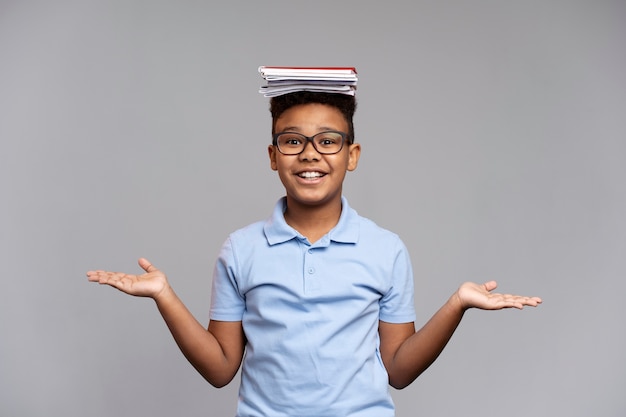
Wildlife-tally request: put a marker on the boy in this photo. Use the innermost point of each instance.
(319, 298)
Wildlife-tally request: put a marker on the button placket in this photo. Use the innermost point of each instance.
(311, 282)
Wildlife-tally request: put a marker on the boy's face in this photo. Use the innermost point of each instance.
(311, 178)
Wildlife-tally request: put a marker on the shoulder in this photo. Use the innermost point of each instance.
(353, 225)
(246, 238)
(369, 230)
(370, 226)
(372, 242)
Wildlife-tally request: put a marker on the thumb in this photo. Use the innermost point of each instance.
(146, 265)
(490, 285)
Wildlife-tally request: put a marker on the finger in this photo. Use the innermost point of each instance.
(98, 276)
(109, 278)
(533, 301)
(91, 274)
(490, 285)
(512, 304)
(146, 265)
(521, 301)
(121, 281)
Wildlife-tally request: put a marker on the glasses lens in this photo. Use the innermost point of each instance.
(328, 142)
(291, 143)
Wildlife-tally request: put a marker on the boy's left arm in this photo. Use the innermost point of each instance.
(407, 353)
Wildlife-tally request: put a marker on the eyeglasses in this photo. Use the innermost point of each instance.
(293, 143)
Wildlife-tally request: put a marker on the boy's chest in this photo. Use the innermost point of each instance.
(299, 273)
(312, 293)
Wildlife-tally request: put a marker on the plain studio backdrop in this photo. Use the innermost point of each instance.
(494, 144)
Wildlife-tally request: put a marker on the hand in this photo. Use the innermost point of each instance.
(481, 296)
(151, 284)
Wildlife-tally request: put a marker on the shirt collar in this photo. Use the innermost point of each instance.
(278, 231)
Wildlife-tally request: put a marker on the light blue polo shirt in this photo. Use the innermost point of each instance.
(310, 313)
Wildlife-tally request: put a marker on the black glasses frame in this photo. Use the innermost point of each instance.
(309, 139)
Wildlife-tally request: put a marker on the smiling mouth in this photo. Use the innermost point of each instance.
(310, 175)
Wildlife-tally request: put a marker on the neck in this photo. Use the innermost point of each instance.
(313, 222)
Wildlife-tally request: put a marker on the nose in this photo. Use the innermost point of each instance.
(309, 153)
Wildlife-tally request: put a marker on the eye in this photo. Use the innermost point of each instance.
(328, 139)
(289, 139)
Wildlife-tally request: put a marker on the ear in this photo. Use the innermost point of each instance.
(354, 153)
(271, 151)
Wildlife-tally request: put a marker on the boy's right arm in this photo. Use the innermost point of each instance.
(216, 352)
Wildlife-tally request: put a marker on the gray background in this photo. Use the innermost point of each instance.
(494, 139)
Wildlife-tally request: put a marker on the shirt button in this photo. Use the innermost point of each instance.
(310, 251)
(311, 270)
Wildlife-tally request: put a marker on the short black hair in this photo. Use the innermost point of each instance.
(345, 103)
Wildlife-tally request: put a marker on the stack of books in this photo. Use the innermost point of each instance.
(285, 80)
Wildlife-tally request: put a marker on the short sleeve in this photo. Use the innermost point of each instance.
(227, 304)
(397, 305)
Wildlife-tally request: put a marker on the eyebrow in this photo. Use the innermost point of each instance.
(297, 129)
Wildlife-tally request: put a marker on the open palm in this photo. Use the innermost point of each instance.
(150, 284)
(481, 296)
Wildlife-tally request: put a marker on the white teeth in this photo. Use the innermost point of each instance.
(310, 174)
